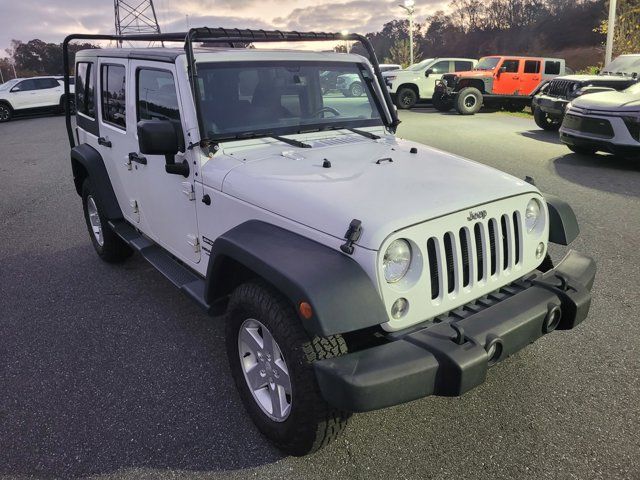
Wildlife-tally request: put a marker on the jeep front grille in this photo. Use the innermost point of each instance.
(560, 88)
(473, 254)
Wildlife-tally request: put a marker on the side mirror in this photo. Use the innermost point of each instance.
(159, 137)
(16, 89)
(428, 72)
(502, 70)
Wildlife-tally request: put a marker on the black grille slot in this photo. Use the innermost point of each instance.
(448, 251)
(492, 247)
(464, 251)
(516, 236)
(560, 88)
(504, 223)
(477, 231)
(433, 268)
(594, 126)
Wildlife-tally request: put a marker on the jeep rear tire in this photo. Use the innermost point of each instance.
(109, 246)
(406, 98)
(442, 102)
(5, 112)
(271, 358)
(545, 121)
(469, 101)
(582, 150)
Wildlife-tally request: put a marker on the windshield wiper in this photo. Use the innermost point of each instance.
(288, 141)
(364, 133)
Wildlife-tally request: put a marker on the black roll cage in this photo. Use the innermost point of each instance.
(230, 37)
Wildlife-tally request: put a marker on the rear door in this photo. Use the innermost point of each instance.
(507, 77)
(531, 76)
(49, 92)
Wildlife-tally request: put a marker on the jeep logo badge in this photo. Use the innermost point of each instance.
(477, 215)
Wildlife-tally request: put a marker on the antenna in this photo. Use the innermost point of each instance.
(134, 17)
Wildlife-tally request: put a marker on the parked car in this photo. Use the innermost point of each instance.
(350, 84)
(550, 104)
(354, 270)
(31, 95)
(497, 82)
(418, 81)
(604, 122)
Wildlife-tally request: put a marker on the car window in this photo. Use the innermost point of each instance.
(45, 83)
(113, 95)
(85, 80)
(26, 85)
(463, 66)
(531, 66)
(440, 67)
(551, 67)
(511, 66)
(157, 97)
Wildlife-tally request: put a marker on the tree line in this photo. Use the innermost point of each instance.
(475, 28)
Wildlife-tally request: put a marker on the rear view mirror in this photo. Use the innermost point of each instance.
(160, 137)
(428, 72)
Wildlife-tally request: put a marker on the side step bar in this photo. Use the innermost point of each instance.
(182, 277)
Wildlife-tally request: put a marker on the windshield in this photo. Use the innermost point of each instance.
(8, 84)
(487, 63)
(420, 65)
(624, 65)
(250, 99)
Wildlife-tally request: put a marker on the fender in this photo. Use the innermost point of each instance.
(87, 162)
(342, 296)
(563, 224)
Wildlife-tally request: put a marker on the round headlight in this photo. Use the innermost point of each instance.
(532, 214)
(396, 260)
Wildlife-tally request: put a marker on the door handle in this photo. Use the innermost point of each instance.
(134, 157)
(515, 77)
(104, 142)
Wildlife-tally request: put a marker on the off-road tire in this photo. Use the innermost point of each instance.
(545, 121)
(113, 249)
(312, 423)
(582, 150)
(442, 102)
(6, 112)
(356, 90)
(406, 98)
(468, 101)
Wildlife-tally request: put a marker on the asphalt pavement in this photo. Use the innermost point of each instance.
(109, 372)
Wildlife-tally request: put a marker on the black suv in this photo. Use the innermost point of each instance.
(550, 104)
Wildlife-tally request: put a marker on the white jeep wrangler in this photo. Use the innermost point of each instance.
(355, 270)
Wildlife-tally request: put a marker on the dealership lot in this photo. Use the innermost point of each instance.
(108, 371)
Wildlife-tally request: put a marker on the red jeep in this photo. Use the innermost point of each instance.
(496, 82)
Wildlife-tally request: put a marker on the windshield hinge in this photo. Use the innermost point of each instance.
(352, 236)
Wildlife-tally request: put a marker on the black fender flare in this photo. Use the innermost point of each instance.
(86, 161)
(342, 296)
(563, 224)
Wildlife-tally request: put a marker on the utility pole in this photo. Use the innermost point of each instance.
(1, 76)
(611, 26)
(135, 18)
(410, 7)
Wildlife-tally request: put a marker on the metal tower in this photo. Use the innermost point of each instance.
(134, 17)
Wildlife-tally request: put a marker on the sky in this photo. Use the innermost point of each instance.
(52, 20)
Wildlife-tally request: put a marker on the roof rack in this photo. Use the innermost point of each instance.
(229, 36)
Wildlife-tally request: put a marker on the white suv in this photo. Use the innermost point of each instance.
(605, 121)
(355, 270)
(31, 95)
(418, 82)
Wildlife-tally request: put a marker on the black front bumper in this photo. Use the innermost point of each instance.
(600, 145)
(449, 358)
(552, 106)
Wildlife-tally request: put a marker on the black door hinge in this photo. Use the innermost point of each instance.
(352, 236)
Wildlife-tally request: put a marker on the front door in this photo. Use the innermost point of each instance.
(507, 78)
(24, 94)
(428, 84)
(166, 202)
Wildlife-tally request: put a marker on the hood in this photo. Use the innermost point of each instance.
(474, 74)
(609, 101)
(363, 183)
(594, 78)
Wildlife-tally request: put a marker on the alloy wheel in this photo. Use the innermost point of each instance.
(94, 220)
